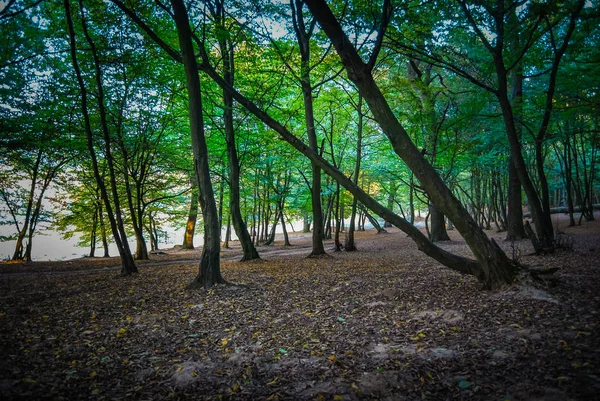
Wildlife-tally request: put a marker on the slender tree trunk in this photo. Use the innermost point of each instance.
(190, 226)
(94, 233)
(103, 230)
(239, 225)
(391, 202)
(337, 243)
(210, 267)
(127, 264)
(18, 253)
(228, 233)
(303, 38)
(349, 244)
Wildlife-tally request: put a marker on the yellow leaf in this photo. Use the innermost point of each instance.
(73, 363)
(332, 358)
(129, 318)
(28, 380)
(421, 335)
(93, 374)
(123, 330)
(235, 387)
(224, 342)
(338, 398)
(95, 391)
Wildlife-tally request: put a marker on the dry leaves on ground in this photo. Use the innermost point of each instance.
(382, 323)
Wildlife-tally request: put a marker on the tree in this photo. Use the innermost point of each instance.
(210, 269)
(501, 38)
(226, 47)
(116, 221)
(495, 266)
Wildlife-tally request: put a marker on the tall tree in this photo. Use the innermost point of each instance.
(226, 48)
(303, 36)
(495, 265)
(210, 267)
(116, 221)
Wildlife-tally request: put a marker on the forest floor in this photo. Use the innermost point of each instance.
(385, 322)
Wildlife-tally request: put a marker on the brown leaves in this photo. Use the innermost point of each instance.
(360, 325)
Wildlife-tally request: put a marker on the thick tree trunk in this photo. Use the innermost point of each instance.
(438, 225)
(141, 249)
(210, 267)
(514, 216)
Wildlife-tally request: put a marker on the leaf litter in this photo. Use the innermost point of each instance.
(382, 323)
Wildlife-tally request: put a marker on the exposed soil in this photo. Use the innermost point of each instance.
(385, 322)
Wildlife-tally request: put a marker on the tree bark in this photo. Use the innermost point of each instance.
(210, 267)
(190, 225)
(438, 225)
(303, 38)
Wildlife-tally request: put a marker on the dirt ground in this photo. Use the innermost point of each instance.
(385, 322)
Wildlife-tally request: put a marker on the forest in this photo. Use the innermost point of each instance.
(440, 155)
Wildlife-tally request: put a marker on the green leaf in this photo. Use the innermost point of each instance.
(464, 384)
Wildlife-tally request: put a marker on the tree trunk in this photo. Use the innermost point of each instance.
(304, 44)
(210, 268)
(306, 222)
(103, 231)
(127, 264)
(438, 225)
(239, 225)
(228, 233)
(373, 221)
(286, 237)
(349, 244)
(190, 226)
(18, 253)
(391, 202)
(336, 241)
